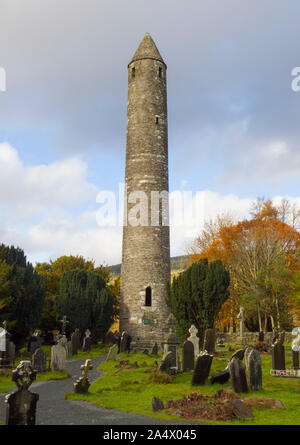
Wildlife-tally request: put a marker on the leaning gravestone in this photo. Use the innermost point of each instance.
(255, 370)
(194, 339)
(21, 405)
(58, 357)
(39, 360)
(188, 358)
(220, 377)
(238, 375)
(75, 339)
(202, 369)
(209, 341)
(112, 353)
(278, 354)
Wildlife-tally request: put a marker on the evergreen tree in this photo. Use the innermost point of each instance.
(197, 294)
(85, 300)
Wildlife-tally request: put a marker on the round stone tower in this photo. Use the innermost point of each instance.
(146, 238)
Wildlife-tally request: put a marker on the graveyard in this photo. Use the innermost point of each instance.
(131, 387)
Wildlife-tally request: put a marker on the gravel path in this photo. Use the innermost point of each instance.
(53, 409)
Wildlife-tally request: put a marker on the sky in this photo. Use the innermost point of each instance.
(233, 117)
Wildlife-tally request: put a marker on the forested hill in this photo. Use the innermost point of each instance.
(177, 263)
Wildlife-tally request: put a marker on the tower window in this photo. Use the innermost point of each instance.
(133, 73)
(160, 72)
(156, 120)
(148, 297)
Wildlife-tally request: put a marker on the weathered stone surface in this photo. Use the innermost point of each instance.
(146, 248)
(209, 341)
(238, 354)
(75, 339)
(167, 363)
(194, 339)
(188, 358)
(202, 369)
(39, 360)
(295, 359)
(246, 355)
(124, 342)
(220, 377)
(278, 353)
(255, 370)
(112, 353)
(157, 404)
(87, 344)
(58, 357)
(82, 385)
(238, 375)
(21, 408)
(69, 349)
(240, 409)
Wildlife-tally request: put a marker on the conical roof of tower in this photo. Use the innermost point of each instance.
(147, 50)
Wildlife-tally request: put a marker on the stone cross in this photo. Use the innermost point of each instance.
(21, 405)
(64, 323)
(241, 317)
(82, 384)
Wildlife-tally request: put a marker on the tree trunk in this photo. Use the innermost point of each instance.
(259, 318)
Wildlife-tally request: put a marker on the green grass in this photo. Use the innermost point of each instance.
(6, 383)
(119, 390)
(96, 351)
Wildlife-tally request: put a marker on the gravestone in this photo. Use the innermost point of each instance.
(188, 358)
(238, 375)
(33, 344)
(209, 341)
(278, 353)
(82, 385)
(295, 348)
(194, 339)
(75, 339)
(167, 364)
(87, 341)
(39, 361)
(241, 317)
(5, 361)
(255, 370)
(154, 350)
(261, 336)
(238, 354)
(220, 377)
(11, 351)
(58, 357)
(246, 355)
(171, 342)
(112, 353)
(69, 349)
(157, 404)
(295, 359)
(123, 344)
(21, 405)
(202, 369)
(220, 342)
(64, 322)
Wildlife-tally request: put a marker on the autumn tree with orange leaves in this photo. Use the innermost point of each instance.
(263, 256)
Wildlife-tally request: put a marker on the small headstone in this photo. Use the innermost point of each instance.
(240, 409)
(58, 357)
(238, 375)
(202, 369)
(209, 341)
(220, 377)
(154, 350)
(82, 385)
(39, 361)
(157, 404)
(166, 365)
(255, 370)
(124, 341)
(194, 339)
(21, 405)
(278, 353)
(75, 339)
(188, 358)
(112, 353)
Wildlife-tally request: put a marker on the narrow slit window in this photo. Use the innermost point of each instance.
(133, 73)
(156, 120)
(148, 298)
(160, 72)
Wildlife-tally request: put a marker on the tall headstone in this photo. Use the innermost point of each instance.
(112, 353)
(123, 344)
(255, 370)
(278, 353)
(241, 317)
(69, 349)
(58, 357)
(194, 339)
(188, 357)
(21, 405)
(238, 376)
(295, 348)
(5, 336)
(75, 339)
(209, 341)
(202, 369)
(87, 341)
(171, 341)
(39, 360)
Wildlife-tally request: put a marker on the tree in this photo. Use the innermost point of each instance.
(52, 273)
(85, 299)
(5, 293)
(26, 294)
(252, 250)
(196, 295)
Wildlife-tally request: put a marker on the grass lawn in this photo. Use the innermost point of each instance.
(131, 390)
